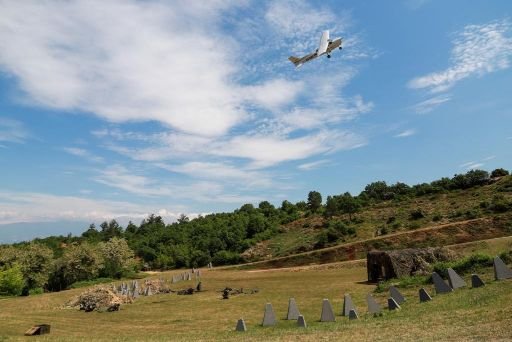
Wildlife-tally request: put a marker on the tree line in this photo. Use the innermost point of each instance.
(111, 251)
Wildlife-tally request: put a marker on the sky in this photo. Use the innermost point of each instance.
(119, 109)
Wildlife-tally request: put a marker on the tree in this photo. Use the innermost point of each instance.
(247, 208)
(331, 206)
(377, 190)
(35, 261)
(314, 201)
(11, 281)
(266, 208)
(81, 262)
(301, 205)
(118, 257)
(183, 219)
(131, 228)
(348, 204)
(92, 233)
(110, 230)
(499, 173)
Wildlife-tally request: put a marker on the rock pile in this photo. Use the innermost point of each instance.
(99, 299)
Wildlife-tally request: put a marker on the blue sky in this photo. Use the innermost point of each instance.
(119, 109)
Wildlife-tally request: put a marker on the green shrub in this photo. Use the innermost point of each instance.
(226, 258)
(506, 257)
(36, 291)
(416, 214)
(500, 204)
(86, 283)
(403, 282)
(11, 281)
(437, 217)
(466, 265)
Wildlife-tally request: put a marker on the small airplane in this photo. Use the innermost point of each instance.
(325, 48)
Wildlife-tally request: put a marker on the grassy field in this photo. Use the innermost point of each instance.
(466, 314)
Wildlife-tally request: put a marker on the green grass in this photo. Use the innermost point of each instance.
(481, 314)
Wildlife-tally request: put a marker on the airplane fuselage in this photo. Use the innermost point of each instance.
(326, 47)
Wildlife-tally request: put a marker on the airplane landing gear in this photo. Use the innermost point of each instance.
(328, 56)
(340, 48)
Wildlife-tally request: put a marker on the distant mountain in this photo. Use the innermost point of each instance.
(25, 231)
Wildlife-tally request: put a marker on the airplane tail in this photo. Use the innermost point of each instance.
(294, 60)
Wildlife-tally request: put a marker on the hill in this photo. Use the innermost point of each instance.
(469, 210)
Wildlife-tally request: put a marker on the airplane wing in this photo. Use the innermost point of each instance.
(324, 42)
(298, 61)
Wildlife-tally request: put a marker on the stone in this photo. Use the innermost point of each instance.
(148, 292)
(373, 306)
(136, 293)
(269, 317)
(455, 280)
(301, 322)
(396, 295)
(348, 305)
(439, 284)
(293, 311)
(392, 304)
(501, 271)
(327, 312)
(352, 314)
(476, 281)
(240, 325)
(424, 296)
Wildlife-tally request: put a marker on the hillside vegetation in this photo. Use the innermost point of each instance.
(381, 216)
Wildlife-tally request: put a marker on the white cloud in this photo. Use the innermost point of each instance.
(126, 60)
(313, 165)
(265, 151)
(35, 207)
(478, 50)
(80, 152)
(119, 177)
(406, 133)
(12, 131)
(429, 105)
(222, 172)
(297, 18)
(273, 94)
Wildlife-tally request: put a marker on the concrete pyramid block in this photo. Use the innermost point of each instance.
(392, 304)
(396, 295)
(269, 317)
(352, 314)
(301, 322)
(476, 281)
(240, 325)
(293, 311)
(501, 271)
(327, 312)
(348, 305)
(455, 280)
(373, 306)
(439, 284)
(424, 296)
